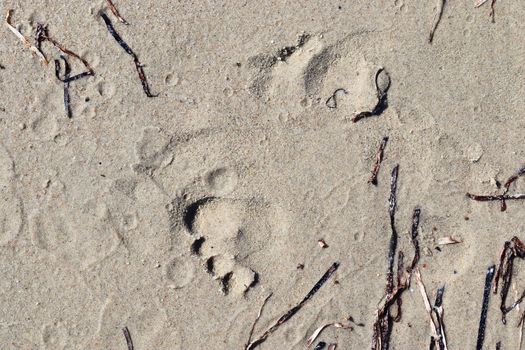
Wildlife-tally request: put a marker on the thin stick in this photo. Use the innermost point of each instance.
(258, 317)
(129, 51)
(379, 159)
(508, 183)
(438, 310)
(485, 307)
(415, 242)
(437, 19)
(115, 12)
(290, 313)
(65, 80)
(128, 338)
(23, 39)
(393, 238)
(498, 197)
(428, 307)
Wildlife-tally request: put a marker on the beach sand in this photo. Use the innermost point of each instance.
(176, 216)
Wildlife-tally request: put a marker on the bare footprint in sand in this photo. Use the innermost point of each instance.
(313, 72)
(10, 205)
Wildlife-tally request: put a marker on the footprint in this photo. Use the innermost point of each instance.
(226, 232)
(221, 181)
(151, 150)
(10, 205)
(179, 272)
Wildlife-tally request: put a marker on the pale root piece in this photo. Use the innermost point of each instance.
(318, 331)
(448, 240)
(480, 2)
(23, 39)
(428, 307)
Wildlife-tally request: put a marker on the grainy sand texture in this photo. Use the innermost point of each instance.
(172, 218)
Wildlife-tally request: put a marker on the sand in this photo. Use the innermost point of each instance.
(176, 216)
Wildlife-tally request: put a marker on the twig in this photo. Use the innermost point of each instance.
(332, 346)
(66, 81)
(129, 51)
(379, 159)
(128, 338)
(115, 12)
(382, 98)
(393, 238)
(428, 307)
(415, 242)
(258, 317)
(438, 311)
(484, 307)
(290, 313)
(23, 39)
(437, 19)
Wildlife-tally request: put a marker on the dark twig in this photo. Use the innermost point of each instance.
(115, 11)
(484, 307)
(393, 238)
(379, 159)
(512, 249)
(128, 338)
(437, 19)
(66, 82)
(382, 98)
(331, 102)
(508, 183)
(415, 242)
(438, 312)
(129, 51)
(290, 313)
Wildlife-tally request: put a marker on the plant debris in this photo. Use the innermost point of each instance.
(331, 102)
(290, 313)
(511, 249)
(382, 327)
(322, 243)
(318, 331)
(139, 67)
(504, 196)
(23, 39)
(428, 307)
(128, 338)
(332, 346)
(437, 19)
(438, 312)
(382, 97)
(320, 345)
(379, 159)
(448, 240)
(65, 80)
(485, 307)
(115, 12)
(257, 318)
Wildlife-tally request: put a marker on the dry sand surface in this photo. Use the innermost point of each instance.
(176, 216)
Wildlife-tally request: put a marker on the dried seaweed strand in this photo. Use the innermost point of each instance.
(498, 345)
(66, 81)
(415, 242)
(437, 19)
(23, 39)
(382, 99)
(290, 313)
(485, 307)
(400, 276)
(128, 338)
(319, 330)
(331, 102)
(508, 183)
(512, 249)
(497, 197)
(129, 51)
(393, 238)
(258, 317)
(115, 12)
(42, 35)
(379, 159)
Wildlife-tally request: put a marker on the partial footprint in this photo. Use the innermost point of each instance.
(10, 204)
